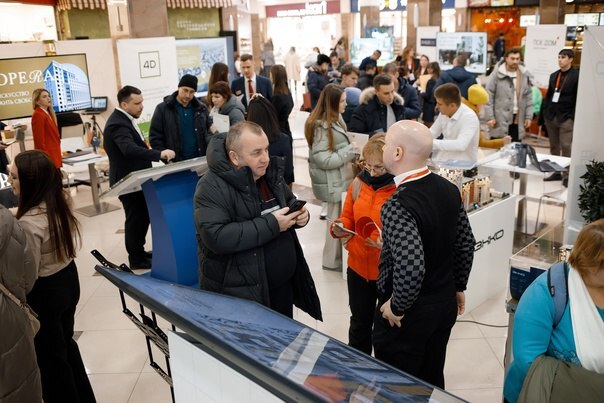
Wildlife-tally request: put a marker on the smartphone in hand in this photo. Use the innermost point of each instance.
(295, 205)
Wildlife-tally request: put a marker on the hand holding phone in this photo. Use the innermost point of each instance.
(295, 205)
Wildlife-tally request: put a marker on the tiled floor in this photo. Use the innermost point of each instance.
(115, 353)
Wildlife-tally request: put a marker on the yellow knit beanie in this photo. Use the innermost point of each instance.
(477, 95)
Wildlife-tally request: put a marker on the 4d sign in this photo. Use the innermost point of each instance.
(148, 64)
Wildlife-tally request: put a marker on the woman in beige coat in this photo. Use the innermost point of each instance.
(330, 162)
(19, 374)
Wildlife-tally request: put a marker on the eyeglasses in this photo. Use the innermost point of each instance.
(377, 169)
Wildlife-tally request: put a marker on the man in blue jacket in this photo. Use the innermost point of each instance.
(459, 76)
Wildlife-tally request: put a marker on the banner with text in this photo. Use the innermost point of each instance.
(149, 64)
(543, 42)
(426, 42)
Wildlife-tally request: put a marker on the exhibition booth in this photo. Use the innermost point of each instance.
(218, 341)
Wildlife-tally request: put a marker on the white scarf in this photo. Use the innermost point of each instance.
(588, 326)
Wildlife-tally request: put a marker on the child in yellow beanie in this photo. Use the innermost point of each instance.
(477, 98)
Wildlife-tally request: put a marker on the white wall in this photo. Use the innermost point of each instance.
(589, 121)
(40, 24)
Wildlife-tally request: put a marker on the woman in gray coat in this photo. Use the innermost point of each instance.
(330, 162)
(224, 102)
(19, 374)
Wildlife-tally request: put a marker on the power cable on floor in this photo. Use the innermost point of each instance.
(480, 323)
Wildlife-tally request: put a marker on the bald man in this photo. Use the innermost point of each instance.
(427, 254)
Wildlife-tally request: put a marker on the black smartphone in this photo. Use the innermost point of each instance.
(295, 205)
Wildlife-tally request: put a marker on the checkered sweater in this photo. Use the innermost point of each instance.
(428, 244)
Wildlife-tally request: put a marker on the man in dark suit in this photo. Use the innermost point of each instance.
(249, 83)
(128, 152)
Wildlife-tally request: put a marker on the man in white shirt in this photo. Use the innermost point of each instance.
(128, 152)
(458, 125)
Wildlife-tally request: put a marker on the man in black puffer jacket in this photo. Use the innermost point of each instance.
(182, 123)
(379, 108)
(247, 244)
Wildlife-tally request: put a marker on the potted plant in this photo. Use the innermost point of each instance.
(591, 192)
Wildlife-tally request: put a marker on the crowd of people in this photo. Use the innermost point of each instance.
(408, 236)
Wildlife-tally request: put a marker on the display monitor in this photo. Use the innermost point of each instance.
(471, 45)
(197, 56)
(65, 77)
(361, 48)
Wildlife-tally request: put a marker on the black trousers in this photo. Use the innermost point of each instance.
(282, 299)
(513, 132)
(54, 299)
(419, 346)
(362, 298)
(136, 226)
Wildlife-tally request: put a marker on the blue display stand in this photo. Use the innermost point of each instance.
(170, 205)
(169, 192)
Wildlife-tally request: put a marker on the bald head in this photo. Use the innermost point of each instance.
(408, 146)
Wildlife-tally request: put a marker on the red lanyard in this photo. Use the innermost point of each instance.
(559, 89)
(416, 175)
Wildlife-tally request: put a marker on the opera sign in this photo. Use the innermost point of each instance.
(20, 77)
(4, 181)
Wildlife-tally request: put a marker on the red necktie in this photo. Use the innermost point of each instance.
(250, 87)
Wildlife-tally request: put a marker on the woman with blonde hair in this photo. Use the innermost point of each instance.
(329, 161)
(44, 126)
(366, 194)
(53, 235)
(407, 59)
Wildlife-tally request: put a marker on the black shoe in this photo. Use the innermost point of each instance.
(149, 255)
(556, 176)
(140, 264)
(565, 182)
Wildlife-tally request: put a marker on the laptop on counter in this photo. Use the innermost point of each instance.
(544, 165)
(98, 105)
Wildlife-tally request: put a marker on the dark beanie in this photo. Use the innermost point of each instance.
(188, 81)
(321, 58)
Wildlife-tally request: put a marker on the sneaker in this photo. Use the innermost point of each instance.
(323, 215)
(556, 176)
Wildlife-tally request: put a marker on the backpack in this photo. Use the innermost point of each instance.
(557, 283)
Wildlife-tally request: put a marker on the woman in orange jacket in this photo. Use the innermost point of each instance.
(366, 194)
(44, 126)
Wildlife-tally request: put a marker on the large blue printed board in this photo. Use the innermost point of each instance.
(287, 358)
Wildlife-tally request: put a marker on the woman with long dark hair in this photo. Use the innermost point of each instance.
(53, 235)
(219, 72)
(262, 112)
(44, 126)
(329, 162)
(428, 108)
(282, 98)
